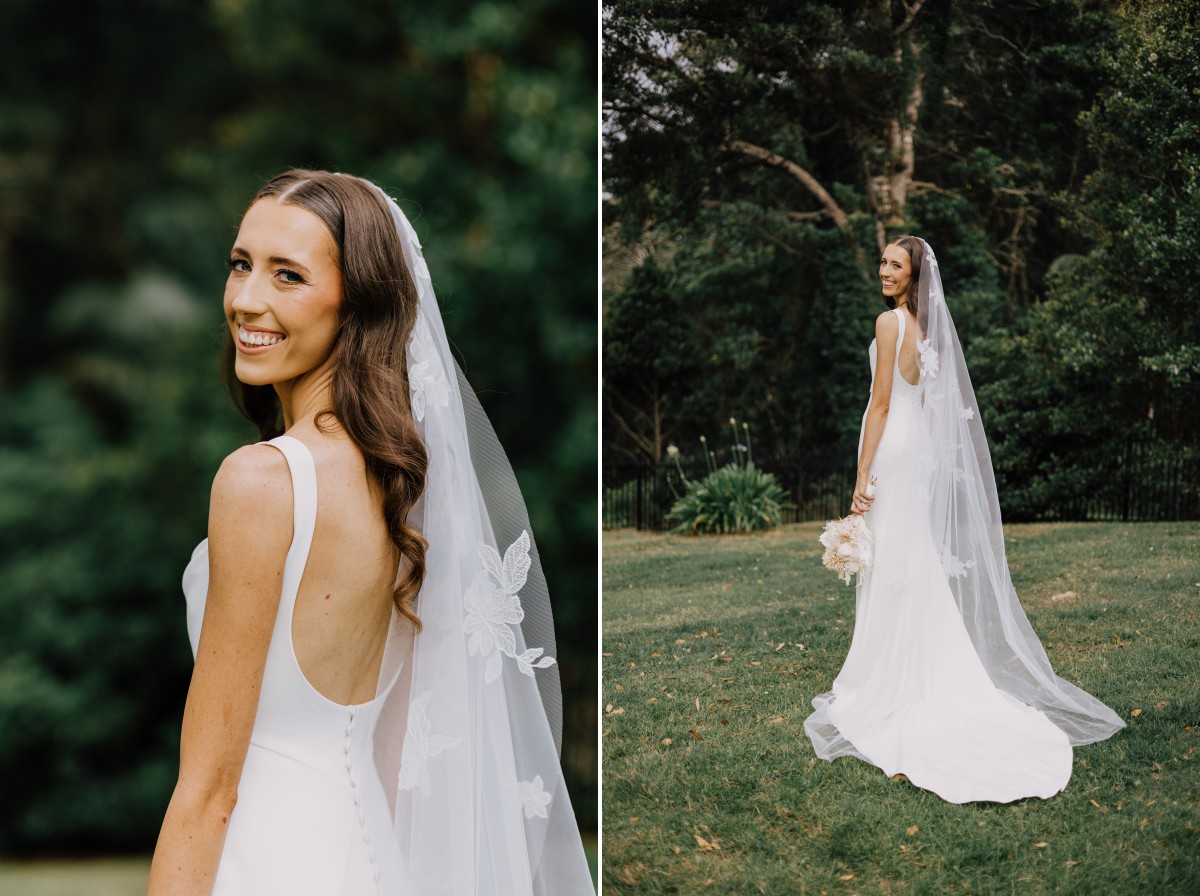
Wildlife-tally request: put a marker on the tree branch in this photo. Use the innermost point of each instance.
(910, 13)
(760, 154)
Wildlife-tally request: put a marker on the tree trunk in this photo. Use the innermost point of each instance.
(889, 179)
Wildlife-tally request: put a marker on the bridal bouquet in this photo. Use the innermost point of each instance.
(848, 546)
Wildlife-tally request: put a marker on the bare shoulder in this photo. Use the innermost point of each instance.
(253, 487)
(886, 324)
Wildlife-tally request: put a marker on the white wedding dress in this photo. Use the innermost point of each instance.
(311, 817)
(913, 696)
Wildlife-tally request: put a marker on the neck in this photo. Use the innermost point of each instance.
(306, 395)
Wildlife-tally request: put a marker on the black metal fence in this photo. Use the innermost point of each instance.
(1145, 481)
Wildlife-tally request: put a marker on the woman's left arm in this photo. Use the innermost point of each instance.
(250, 531)
(887, 330)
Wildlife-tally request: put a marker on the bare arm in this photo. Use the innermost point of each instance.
(250, 531)
(887, 329)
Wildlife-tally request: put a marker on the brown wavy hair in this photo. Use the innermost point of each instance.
(916, 254)
(369, 396)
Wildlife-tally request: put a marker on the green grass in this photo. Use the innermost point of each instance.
(88, 877)
(703, 733)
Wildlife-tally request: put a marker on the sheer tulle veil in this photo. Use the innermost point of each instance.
(467, 744)
(957, 481)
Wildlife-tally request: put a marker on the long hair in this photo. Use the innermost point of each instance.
(916, 254)
(369, 395)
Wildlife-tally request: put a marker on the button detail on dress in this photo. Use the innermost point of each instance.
(347, 748)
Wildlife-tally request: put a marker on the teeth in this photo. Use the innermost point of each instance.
(248, 338)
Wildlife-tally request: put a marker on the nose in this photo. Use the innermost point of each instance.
(247, 296)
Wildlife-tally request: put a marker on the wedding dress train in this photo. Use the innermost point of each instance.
(913, 696)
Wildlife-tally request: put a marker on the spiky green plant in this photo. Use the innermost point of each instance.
(735, 498)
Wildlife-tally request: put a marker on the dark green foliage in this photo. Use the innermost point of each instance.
(131, 139)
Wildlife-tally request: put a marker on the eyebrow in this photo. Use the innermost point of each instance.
(280, 260)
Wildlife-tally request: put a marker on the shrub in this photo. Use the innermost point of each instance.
(735, 498)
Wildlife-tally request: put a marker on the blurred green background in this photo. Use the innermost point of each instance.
(131, 137)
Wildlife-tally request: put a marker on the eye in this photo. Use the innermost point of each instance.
(238, 264)
(290, 276)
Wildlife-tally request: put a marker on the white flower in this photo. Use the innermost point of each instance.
(672, 451)
(492, 607)
(966, 413)
(427, 381)
(420, 746)
(929, 359)
(954, 567)
(534, 798)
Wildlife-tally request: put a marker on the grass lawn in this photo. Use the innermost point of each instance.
(88, 877)
(713, 648)
(112, 877)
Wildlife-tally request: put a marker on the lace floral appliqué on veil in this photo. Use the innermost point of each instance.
(534, 797)
(427, 382)
(420, 746)
(493, 607)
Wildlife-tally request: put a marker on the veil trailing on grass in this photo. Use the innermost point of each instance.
(468, 740)
(957, 482)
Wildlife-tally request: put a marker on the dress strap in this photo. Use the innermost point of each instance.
(304, 492)
(899, 339)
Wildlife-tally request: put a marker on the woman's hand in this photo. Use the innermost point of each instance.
(864, 495)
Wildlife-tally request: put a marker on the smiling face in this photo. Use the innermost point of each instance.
(895, 272)
(282, 295)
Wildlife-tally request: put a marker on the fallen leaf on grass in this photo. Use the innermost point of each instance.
(1143, 824)
(634, 819)
(694, 733)
(1136, 713)
(775, 721)
(849, 876)
(652, 700)
(666, 741)
(1041, 845)
(755, 663)
(697, 704)
(618, 688)
(912, 830)
(611, 710)
(707, 845)
(1071, 863)
(726, 659)
(606, 654)
(1063, 595)
(779, 648)
(1094, 803)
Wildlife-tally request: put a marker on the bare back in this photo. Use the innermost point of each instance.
(344, 604)
(907, 361)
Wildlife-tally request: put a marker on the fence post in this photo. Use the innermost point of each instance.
(639, 516)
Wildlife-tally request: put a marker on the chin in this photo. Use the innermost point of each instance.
(250, 377)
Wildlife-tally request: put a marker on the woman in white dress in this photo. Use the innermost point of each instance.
(945, 681)
(364, 716)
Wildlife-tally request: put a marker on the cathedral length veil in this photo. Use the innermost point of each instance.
(956, 479)
(468, 740)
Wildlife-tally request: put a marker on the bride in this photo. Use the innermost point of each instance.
(945, 681)
(365, 715)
